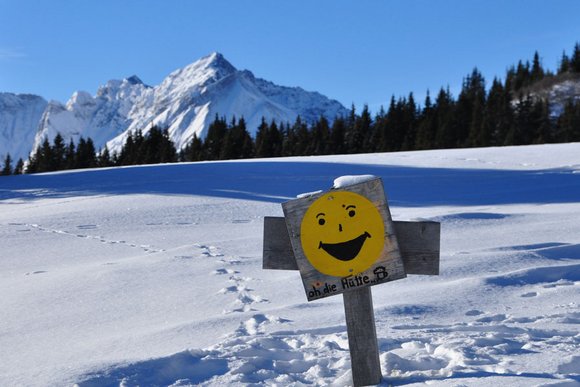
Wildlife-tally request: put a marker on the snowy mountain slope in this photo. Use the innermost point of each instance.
(101, 117)
(185, 103)
(152, 275)
(19, 117)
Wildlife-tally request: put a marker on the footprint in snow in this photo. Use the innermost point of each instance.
(37, 272)
(224, 271)
(529, 294)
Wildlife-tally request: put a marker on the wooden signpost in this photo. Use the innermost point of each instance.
(343, 242)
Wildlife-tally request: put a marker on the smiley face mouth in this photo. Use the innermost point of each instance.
(345, 251)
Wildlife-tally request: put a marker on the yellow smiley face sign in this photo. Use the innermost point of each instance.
(342, 234)
(343, 239)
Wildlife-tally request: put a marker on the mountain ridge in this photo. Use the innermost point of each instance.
(185, 102)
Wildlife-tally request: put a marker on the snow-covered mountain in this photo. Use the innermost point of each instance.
(19, 117)
(102, 117)
(185, 103)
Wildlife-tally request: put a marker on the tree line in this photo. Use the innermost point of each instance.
(509, 113)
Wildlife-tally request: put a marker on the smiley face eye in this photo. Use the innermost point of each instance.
(351, 213)
(321, 222)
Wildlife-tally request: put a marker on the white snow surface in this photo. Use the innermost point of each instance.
(152, 275)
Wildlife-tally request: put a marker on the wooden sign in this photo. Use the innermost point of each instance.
(326, 236)
(418, 244)
(344, 239)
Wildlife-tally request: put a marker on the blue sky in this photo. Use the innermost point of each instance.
(358, 51)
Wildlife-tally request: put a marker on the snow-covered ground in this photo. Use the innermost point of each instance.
(152, 275)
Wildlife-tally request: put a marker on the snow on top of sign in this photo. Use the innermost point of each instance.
(345, 181)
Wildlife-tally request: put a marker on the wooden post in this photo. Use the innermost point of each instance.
(375, 250)
(362, 337)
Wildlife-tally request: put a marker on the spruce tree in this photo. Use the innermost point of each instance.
(19, 168)
(426, 127)
(216, 133)
(262, 139)
(104, 158)
(444, 113)
(337, 133)
(86, 155)
(233, 142)
(193, 151)
(58, 153)
(7, 169)
(564, 64)
(537, 72)
(410, 113)
(302, 135)
(45, 157)
(70, 156)
(575, 60)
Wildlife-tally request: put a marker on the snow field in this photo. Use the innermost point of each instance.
(152, 275)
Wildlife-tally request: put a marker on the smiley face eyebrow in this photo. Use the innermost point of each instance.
(351, 206)
(320, 214)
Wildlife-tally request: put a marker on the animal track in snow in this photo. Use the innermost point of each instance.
(237, 284)
(99, 238)
(244, 298)
(208, 251)
(224, 271)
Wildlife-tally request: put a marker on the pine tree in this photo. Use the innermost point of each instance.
(497, 116)
(193, 151)
(522, 128)
(128, 155)
(213, 143)
(537, 72)
(7, 169)
(410, 113)
(337, 141)
(575, 61)
(19, 168)
(469, 109)
(237, 143)
(426, 127)
(262, 139)
(320, 135)
(542, 122)
(568, 124)
(444, 113)
(302, 135)
(564, 64)
(104, 158)
(45, 162)
(70, 156)
(58, 153)
(86, 155)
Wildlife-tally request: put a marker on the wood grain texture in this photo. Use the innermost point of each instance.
(419, 244)
(362, 337)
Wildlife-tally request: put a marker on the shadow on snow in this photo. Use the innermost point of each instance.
(277, 181)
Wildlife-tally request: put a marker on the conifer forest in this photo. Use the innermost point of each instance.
(512, 111)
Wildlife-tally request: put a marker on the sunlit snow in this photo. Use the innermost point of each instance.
(152, 275)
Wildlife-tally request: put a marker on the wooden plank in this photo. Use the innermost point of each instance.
(362, 337)
(277, 251)
(419, 243)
